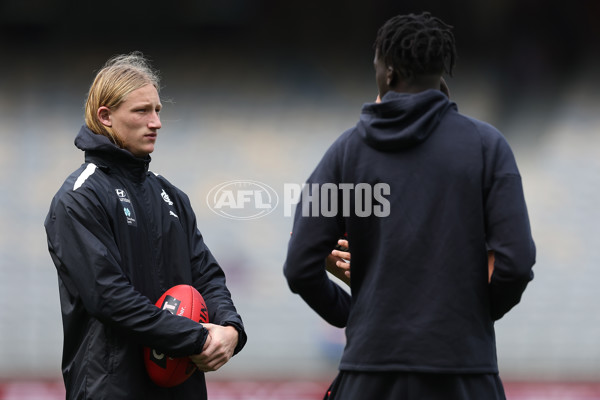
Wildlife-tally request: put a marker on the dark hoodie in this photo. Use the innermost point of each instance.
(420, 299)
(119, 237)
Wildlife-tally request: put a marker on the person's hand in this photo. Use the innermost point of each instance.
(218, 348)
(338, 262)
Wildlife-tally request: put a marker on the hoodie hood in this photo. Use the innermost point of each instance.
(402, 120)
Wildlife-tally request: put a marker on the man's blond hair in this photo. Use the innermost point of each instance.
(120, 76)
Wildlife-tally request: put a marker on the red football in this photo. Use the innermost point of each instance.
(185, 301)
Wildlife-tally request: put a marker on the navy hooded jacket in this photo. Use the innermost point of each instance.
(423, 193)
(120, 236)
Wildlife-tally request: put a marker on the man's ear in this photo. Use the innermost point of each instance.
(104, 115)
(444, 87)
(390, 76)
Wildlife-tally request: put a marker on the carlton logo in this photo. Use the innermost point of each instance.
(242, 199)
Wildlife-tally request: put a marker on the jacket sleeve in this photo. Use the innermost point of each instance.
(87, 259)
(508, 231)
(209, 279)
(313, 237)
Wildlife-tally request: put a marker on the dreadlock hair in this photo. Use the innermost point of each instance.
(417, 44)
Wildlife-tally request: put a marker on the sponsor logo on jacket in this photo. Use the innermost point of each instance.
(127, 207)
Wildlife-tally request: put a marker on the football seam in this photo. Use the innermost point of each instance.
(193, 302)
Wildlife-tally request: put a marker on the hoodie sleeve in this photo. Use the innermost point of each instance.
(82, 246)
(508, 231)
(313, 237)
(209, 279)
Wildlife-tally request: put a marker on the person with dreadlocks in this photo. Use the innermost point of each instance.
(420, 316)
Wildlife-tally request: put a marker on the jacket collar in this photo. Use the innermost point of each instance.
(110, 158)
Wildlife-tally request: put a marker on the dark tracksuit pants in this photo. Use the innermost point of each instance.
(350, 385)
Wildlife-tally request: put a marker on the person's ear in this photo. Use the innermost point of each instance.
(444, 87)
(390, 76)
(104, 116)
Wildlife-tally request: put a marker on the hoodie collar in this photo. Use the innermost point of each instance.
(106, 155)
(402, 120)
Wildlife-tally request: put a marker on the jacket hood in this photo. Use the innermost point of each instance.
(87, 140)
(402, 120)
(99, 149)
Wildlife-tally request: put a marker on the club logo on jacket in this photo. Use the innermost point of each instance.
(127, 207)
(166, 198)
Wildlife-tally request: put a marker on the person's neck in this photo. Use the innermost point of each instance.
(417, 84)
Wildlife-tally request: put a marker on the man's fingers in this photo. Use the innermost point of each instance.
(212, 362)
(342, 245)
(211, 365)
(341, 254)
(218, 349)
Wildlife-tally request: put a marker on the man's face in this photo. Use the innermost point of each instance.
(136, 120)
